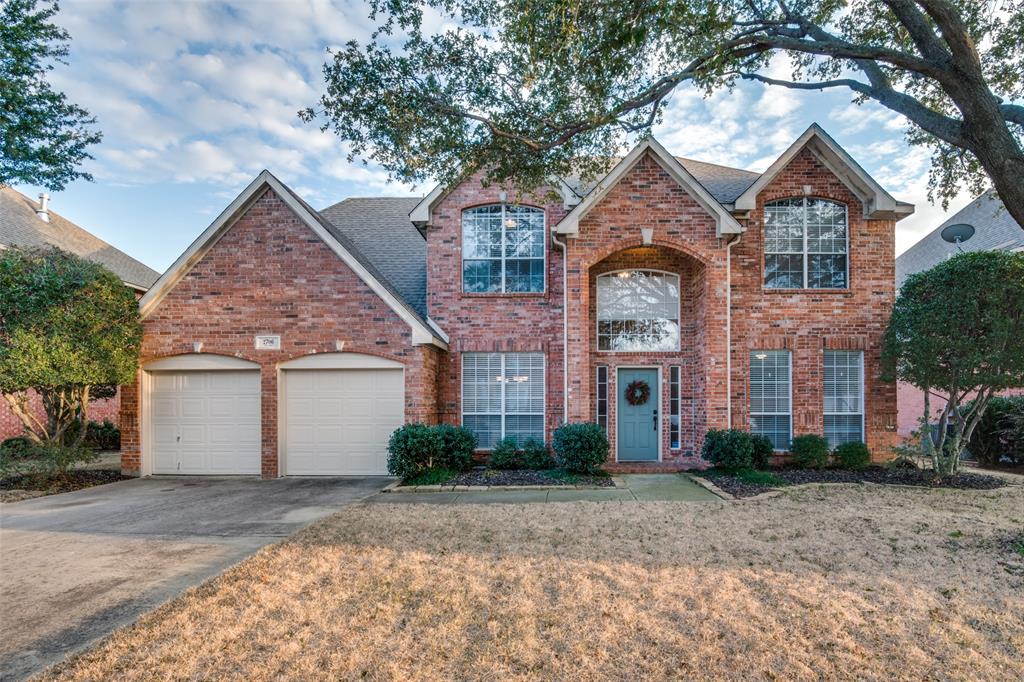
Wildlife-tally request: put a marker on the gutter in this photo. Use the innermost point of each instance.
(565, 325)
(728, 327)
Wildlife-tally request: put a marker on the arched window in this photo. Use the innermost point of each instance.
(503, 249)
(805, 244)
(638, 310)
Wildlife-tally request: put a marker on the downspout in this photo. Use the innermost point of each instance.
(565, 326)
(728, 327)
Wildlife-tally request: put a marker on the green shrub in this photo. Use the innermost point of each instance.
(432, 476)
(581, 447)
(853, 455)
(536, 455)
(992, 437)
(505, 454)
(56, 460)
(810, 451)
(457, 446)
(728, 449)
(763, 451)
(103, 436)
(413, 448)
(18, 447)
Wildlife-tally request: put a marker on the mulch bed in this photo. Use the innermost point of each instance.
(14, 488)
(526, 477)
(737, 487)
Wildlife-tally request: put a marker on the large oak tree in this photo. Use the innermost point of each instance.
(525, 88)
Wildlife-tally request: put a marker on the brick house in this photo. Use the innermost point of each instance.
(25, 223)
(671, 297)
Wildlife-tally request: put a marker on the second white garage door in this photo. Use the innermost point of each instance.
(338, 421)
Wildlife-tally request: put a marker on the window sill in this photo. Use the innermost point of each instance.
(514, 294)
(831, 292)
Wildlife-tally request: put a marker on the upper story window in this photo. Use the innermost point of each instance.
(805, 244)
(503, 249)
(638, 310)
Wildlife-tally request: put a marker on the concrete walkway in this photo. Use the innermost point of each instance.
(629, 488)
(77, 566)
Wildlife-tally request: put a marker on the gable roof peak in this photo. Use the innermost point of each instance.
(724, 221)
(877, 202)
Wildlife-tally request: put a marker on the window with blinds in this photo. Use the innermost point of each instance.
(770, 397)
(844, 396)
(503, 395)
(638, 310)
(805, 244)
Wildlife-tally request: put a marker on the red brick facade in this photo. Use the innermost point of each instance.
(270, 274)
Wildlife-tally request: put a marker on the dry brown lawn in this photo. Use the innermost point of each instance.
(849, 582)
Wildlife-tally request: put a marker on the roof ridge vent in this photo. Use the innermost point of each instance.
(44, 207)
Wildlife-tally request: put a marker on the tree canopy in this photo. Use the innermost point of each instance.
(958, 329)
(530, 88)
(67, 326)
(43, 137)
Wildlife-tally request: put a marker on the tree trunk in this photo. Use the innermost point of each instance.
(989, 138)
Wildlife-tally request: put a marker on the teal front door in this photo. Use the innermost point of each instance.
(638, 426)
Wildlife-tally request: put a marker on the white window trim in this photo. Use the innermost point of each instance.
(597, 320)
(789, 414)
(597, 394)
(503, 292)
(544, 389)
(678, 370)
(863, 390)
(805, 254)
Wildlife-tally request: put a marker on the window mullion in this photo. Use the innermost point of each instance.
(805, 258)
(504, 385)
(503, 247)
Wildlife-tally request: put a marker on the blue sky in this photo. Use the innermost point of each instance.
(195, 98)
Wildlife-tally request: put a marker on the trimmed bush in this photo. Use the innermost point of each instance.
(581, 447)
(457, 446)
(536, 455)
(505, 454)
(853, 455)
(728, 449)
(810, 451)
(763, 451)
(17, 447)
(103, 436)
(992, 437)
(412, 449)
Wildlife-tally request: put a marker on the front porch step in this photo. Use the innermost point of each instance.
(645, 467)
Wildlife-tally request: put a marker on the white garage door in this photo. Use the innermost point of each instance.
(205, 422)
(338, 421)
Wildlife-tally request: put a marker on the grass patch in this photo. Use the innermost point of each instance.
(751, 476)
(434, 476)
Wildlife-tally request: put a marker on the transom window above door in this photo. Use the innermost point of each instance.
(638, 310)
(805, 244)
(503, 249)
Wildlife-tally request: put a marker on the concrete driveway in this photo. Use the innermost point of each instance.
(77, 566)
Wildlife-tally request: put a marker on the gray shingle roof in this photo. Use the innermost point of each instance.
(380, 229)
(21, 227)
(995, 229)
(725, 184)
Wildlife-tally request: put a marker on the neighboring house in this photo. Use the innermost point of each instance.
(287, 341)
(25, 223)
(992, 229)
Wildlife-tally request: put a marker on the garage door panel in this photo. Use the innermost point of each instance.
(352, 414)
(205, 422)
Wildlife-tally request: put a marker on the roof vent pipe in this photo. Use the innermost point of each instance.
(44, 207)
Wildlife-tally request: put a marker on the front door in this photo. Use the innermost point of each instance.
(638, 425)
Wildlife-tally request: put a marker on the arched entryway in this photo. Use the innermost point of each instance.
(646, 349)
